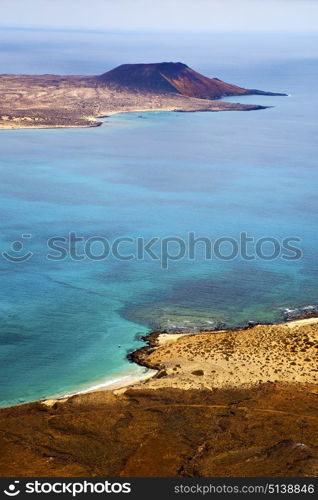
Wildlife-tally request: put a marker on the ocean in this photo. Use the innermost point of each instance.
(68, 323)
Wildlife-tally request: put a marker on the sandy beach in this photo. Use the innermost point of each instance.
(231, 359)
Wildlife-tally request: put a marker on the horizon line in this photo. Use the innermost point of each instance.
(151, 31)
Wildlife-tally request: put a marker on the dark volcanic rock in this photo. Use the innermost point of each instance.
(169, 77)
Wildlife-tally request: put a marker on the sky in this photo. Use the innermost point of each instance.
(163, 15)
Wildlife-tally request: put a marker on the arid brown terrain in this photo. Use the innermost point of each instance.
(270, 430)
(77, 101)
(261, 428)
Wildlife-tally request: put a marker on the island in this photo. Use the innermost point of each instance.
(51, 101)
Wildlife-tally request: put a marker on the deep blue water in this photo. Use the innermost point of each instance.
(66, 325)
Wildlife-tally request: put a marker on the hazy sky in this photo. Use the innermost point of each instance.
(172, 15)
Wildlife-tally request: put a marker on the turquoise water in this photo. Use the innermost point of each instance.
(68, 325)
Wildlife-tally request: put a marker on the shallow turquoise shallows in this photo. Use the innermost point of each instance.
(67, 325)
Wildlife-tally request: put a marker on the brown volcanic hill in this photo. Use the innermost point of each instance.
(172, 77)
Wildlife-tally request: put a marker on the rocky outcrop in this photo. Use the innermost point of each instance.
(172, 78)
